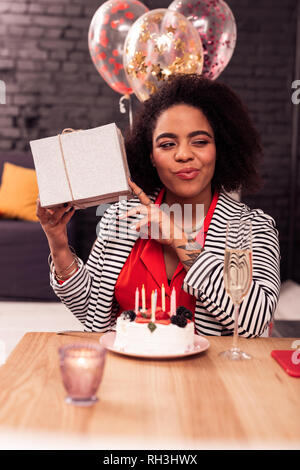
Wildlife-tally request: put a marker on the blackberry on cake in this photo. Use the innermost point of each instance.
(179, 320)
(185, 312)
(129, 314)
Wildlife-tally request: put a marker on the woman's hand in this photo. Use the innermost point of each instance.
(54, 223)
(156, 223)
(165, 230)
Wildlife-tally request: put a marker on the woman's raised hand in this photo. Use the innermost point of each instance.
(54, 223)
(156, 223)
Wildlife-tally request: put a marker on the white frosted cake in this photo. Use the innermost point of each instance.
(137, 334)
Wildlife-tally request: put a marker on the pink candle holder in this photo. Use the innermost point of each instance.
(82, 368)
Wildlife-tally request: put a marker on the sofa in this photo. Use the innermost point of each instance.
(24, 271)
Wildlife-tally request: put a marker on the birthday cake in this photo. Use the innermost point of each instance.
(166, 335)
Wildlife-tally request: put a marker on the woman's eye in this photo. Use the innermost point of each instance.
(166, 144)
(198, 143)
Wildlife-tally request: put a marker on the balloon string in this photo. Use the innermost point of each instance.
(123, 108)
(130, 112)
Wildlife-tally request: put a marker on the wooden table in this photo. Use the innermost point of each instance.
(200, 399)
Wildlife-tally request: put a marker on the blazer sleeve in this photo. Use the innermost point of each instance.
(75, 293)
(204, 280)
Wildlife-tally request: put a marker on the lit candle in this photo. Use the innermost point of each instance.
(153, 305)
(173, 302)
(137, 295)
(82, 369)
(143, 299)
(163, 298)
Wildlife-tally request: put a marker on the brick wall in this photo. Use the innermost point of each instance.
(52, 83)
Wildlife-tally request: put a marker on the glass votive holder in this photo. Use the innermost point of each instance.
(82, 368)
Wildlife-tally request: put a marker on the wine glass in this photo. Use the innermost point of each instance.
(237, 275)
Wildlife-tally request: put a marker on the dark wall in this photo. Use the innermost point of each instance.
(52, 84)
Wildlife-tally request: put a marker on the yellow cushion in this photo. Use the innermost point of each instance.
(18, 192)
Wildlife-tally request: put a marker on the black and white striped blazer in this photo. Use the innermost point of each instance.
(89, 293)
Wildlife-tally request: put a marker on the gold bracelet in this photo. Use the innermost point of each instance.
(66, 269)
(60, 276)
(64, 272)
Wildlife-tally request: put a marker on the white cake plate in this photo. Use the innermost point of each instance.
(200, 344)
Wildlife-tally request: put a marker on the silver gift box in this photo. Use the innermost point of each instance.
(82, 167)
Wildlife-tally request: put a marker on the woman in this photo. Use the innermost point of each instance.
(191, 143)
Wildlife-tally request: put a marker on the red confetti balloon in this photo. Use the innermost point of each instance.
(107, 32)
(216, 26)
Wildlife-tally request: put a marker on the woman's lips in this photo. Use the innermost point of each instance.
(187, 175)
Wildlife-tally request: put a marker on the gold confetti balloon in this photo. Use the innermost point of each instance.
(160, 43)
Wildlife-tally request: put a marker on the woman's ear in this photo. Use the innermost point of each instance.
(152, 160)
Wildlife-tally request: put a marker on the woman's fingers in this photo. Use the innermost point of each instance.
(58, 214)
(146, 203)
(155, 224)
(41, 212)
(68, 215)
(139, 193)
(141, 223)
(51, 216)
(152, 223)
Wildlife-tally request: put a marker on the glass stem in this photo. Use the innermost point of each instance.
(236, 326)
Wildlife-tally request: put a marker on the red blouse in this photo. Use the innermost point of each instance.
(146, 265)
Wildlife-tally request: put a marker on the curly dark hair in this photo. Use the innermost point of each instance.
(238, 147)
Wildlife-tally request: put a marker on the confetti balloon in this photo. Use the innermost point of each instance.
(107, 32)
(160, 43)
(216, 26)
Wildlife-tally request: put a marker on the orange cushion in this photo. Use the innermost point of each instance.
(18, 193)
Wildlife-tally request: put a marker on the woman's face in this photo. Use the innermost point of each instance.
(184, 151)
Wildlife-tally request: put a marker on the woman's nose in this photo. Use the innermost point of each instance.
(183, 152)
